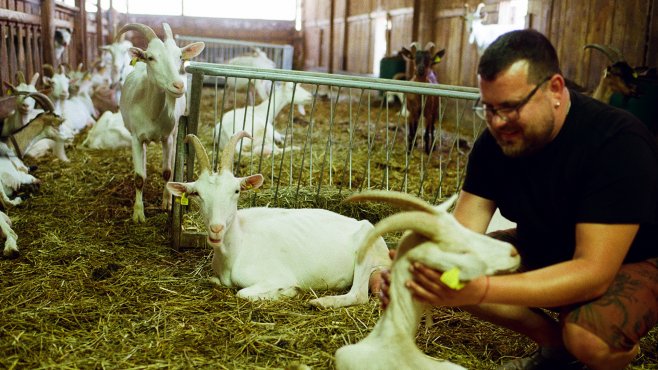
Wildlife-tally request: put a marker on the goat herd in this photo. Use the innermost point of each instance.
(134, 96)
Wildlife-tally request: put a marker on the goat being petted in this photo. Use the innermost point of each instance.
(435, 238)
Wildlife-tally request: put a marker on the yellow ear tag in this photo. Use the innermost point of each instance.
(133, 61)
(451, 279)
(437, 59)
(184, 200)
(634, 74)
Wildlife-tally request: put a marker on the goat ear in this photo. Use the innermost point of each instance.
(438, 56)
(180, 188)
(251, 182)
(406, 53)
(137, 54)
(192, 50)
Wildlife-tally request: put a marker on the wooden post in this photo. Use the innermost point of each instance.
(111, 23)
(80, 34)
(48, 31)
(332, 26)
(99, 26)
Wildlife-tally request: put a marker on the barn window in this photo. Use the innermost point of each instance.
(244, 9)
(513, 12)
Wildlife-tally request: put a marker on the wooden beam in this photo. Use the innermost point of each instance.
(48, 31)
(80, 34)
(99, 25)
(332, 20)
(415, 26)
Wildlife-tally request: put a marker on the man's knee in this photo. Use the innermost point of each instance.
(593, 351)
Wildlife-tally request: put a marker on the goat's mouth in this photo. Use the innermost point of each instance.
(214, 241)
(176, 93)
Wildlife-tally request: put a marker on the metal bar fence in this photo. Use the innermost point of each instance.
(353, 138)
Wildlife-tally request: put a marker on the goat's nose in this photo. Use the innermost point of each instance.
(514, 252)
(216, 228)
(178, 85)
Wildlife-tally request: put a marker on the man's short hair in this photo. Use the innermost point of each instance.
(517, 45)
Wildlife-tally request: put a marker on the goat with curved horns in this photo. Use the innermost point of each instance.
(618, 77)
(274, 252)
(152, 101)
(436, 239)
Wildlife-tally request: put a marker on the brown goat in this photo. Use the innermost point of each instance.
(422, 61)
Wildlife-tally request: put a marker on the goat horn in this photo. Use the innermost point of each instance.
(167, 31)
(201, 154)
(429, 46)
(226, 162)
(145, 30)
(613, 54)
(10, 86)
(419, 222)
(414, 46)
(34, 80)
(399, 199)
(45, 102)
(20, 77)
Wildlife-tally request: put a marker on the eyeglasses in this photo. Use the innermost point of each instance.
(505, 113)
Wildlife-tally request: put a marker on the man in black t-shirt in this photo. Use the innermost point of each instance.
(580, 179)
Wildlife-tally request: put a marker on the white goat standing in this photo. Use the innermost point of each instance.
(257, 123)
(118, 57)
(152, 100)
(257, 59)
(437, 240)
(484, 34)
(275, 252)
(62, 41)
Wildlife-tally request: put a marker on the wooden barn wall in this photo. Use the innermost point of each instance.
(630, 25)
(268, 31)
(27, 29)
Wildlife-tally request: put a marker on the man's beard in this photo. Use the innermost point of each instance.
(530, 141)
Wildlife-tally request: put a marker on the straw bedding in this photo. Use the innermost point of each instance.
(91, 289)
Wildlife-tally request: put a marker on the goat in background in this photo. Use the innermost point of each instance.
(422, 61)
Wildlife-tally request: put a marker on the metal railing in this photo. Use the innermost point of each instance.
(352, 138)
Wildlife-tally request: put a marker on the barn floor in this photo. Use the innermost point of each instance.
(91, 289)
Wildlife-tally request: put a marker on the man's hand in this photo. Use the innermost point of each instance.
(426, 286)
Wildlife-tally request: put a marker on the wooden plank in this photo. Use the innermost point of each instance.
(21, 48)
(13, 65)
(19, 17)
(4, 63)
(48, 32)
(29, 67)
(79, 41)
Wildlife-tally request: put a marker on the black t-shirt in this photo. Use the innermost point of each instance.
(601, 168)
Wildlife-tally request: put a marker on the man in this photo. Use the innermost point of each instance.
(580, 179)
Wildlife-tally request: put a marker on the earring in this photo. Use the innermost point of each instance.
(557, 104)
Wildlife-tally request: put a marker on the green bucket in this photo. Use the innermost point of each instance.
(389, 66)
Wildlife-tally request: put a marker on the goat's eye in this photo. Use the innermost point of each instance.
(150, 58)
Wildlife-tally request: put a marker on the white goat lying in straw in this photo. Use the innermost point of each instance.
(254, 120)
(109, 132)
(275, 252)
(436, 239)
